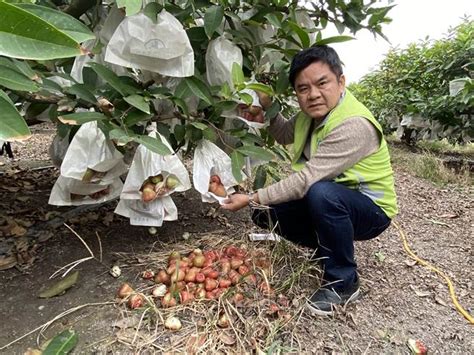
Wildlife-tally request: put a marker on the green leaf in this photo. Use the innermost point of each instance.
(199, 125)
(209, 134)
(135, 116)
(260, 177)
(35, 38)
(179, 132)
(255, 152)
(131, 6)
(139, 102)
(5, 96)
(121, 136)
(246, 98)
(60, 20)
(260, 87)
(79, 118)
(238, 161)
(82, 92)
(334, 39)
(60, 286)
(13, 127)
(112, 79)
(51, 86)
(380, 256)
(301, 33)
(62, 343)
(226, 105)
(181, 104)
(283, 81)
(238, 77)
(195, 86)
(13, 80)
(154, 144)
(25, 69)
(151, 10)
(213, 19)
(273, 110)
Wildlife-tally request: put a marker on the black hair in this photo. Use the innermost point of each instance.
(314, 54)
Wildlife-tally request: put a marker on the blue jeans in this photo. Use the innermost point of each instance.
(329, 218)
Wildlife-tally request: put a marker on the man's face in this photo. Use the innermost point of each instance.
(318, 89)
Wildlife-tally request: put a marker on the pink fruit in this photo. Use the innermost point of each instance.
(135, 301)
(124, 290)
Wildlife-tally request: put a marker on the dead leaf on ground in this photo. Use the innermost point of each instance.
(11, 188)
(125, 323)
(449, 215)
(108, 219)
(437, 222)
(227, 338)
(12, 228)
(23, 198)
(194, 342)
(441, 301)
(420, 293)
(7, 262)
(410, 262)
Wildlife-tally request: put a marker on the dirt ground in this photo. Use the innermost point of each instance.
(401, 300)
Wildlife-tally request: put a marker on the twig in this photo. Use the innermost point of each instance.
(139, 324)
(74, 264)
(100, 245)
(77, 262)
(82, 240)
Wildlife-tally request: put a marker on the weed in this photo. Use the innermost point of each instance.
(429, 167)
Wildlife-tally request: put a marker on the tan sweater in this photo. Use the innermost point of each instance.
(347, 144)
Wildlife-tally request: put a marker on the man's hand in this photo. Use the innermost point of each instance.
(251, 113)
(255, 113)
(235, 202)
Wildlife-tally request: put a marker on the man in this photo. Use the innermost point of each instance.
(343, 187)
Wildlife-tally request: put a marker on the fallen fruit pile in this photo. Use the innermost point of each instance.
(203, 275)
(158, 185)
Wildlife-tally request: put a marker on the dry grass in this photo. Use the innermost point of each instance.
(254, 326)
(429, 167)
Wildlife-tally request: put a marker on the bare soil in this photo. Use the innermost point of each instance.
(401, 300)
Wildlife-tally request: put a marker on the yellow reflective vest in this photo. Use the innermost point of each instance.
(373, 175)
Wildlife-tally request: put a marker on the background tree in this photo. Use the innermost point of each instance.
(427, 87)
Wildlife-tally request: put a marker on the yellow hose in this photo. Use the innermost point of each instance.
(459, 308)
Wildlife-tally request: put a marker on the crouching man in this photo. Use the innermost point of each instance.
(342, 189)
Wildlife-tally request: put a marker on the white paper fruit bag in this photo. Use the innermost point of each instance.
(162, 47)
(90, 171)
(91, 157)
(152, 178)
(71, 192)
(212, 172)
(221, 54)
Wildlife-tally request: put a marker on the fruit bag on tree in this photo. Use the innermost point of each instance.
(152, 178)
(103, 32)
(221, 54)
(162, 47)
(212, 172)
(72, 192)
(90, 171)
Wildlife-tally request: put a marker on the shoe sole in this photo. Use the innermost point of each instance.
(319, 312)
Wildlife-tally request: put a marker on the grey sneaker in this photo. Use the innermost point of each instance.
(322, 302)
